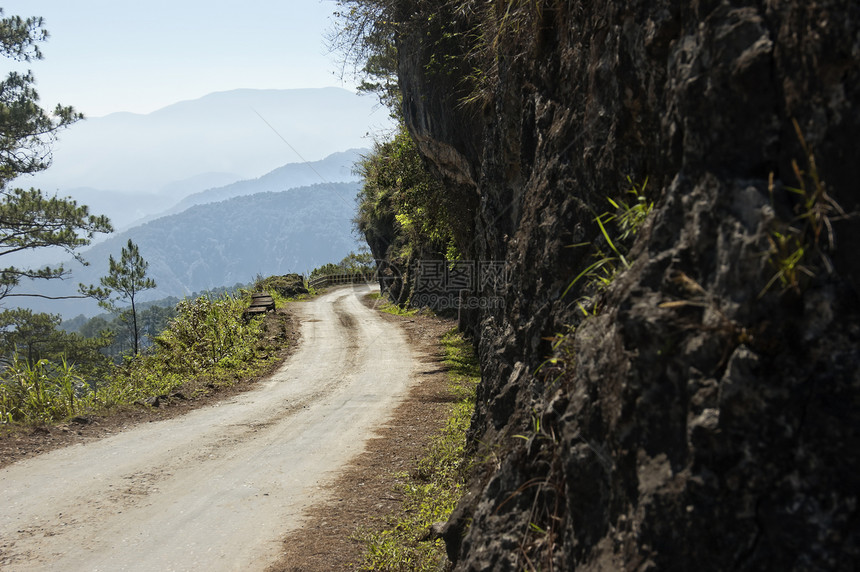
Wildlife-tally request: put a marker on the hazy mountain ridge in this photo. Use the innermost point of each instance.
(241, 131)
(127, 210)
(337, 167)
(230, 241)
(223, 243)
(136, 168)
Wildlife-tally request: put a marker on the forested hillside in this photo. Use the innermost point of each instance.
(663, 199)
(223, 243)
(132, 209)
(336, 168)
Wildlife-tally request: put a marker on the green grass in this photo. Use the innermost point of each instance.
(385, 305)
(799, 248)
(41, 392)
(629, 214)
(435, 487)
(207, 345)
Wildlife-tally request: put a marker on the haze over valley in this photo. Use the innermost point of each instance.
(129, 165)
(169, 180)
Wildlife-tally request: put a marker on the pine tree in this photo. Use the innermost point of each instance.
(127, 278)
(28, 218)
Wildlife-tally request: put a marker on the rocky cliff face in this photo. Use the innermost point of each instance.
(704, 415)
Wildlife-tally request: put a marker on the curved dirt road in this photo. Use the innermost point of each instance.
(218, 488)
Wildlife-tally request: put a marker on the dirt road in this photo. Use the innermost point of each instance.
(218, 488)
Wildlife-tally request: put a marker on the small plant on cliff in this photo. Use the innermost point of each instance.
(787, 255)
(798, 246)
(629, 216)
(626, 220)
(501, 32)
(561, 358)
(538, 535)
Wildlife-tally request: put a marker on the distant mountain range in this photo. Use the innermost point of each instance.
(222, 243)
(231, 135)
(213, 190)
(129, 210)
(337, 167)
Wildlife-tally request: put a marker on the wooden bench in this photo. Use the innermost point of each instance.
(261, 304)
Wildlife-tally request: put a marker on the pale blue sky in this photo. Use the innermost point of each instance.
(106, 56)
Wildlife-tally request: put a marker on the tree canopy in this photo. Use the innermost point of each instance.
(401, 205)
(33, 337)
(365, 39)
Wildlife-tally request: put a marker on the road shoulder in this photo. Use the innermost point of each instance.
(365, 492)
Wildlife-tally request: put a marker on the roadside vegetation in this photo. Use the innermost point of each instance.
(383, 304)
(353, 263)
(205, 345)
(52, 370)
(433, 489)
(153, 318)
